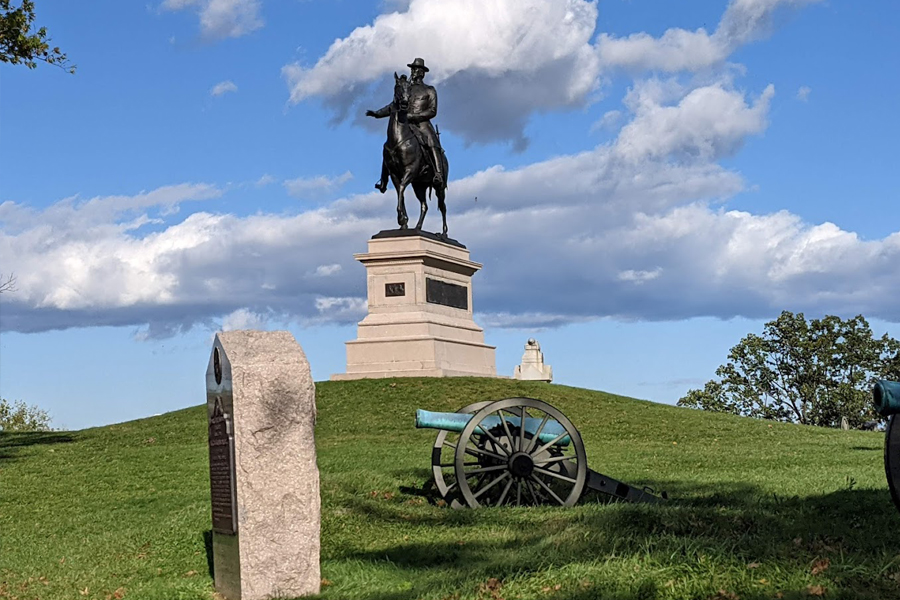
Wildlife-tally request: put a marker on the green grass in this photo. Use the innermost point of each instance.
(756, 509)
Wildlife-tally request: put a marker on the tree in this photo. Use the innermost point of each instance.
(20, 44)
(8, 284)
(803, 372)
(18, 416)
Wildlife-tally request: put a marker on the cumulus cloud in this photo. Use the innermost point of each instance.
(515, 57)
(223, 87)
(803, 93)
(244, 318)
(631, 229)
(221, 19)
(678, 49)
(499, 61)
(304, 187)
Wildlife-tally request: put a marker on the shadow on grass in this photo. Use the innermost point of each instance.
(732, 525)
(208, 543)
(12, 443)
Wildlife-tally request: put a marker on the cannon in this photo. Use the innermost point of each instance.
(886, 397)
(515, 452)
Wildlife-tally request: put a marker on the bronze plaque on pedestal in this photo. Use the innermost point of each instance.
(221, 471)
(446, 294)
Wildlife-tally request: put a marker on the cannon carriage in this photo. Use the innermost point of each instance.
(514, 452)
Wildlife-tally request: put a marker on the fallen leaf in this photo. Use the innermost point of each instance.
(84, 592)
(820, 566)
(325, 583)
(753, 565)
(190, 573)
(815, 590)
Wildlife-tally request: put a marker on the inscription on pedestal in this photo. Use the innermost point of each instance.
(446, 294)
(394, 289)
(221, 471)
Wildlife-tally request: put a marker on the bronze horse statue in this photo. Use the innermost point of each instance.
(408, 162)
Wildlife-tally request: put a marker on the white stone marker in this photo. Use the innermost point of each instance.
(264, 481)
(533, 367)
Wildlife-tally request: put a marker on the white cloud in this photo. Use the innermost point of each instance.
(678, 49)
(265, 180)
(244, 318)
(303, 187)
(610, 120)
(709, 122)
(504, 57)
(223, 87)
(803, 93)
(222, 18)
(639, 277)
(327, 270)
(631, 229)
(498, 61)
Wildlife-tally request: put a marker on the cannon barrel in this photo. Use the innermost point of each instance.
(886, 396)
(458, 421)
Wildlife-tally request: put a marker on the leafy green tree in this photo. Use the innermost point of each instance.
(21, 44)
(18, 416)
(810, 372)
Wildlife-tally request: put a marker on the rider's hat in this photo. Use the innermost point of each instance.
(420, 63)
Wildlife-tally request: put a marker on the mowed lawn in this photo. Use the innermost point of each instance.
(756, 510)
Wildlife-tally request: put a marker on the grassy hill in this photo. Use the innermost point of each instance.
(757, 509)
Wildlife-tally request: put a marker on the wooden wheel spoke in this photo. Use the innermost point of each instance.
(522, 417)
(531, 491)
(547, 489)
(504, 492)
(556, 459)
(491, 484)
(551, 442)
(557, 475)
(485, 469)
(537, 435)
(519, 493)
(493, 439)
(509, 436)
(480, 451)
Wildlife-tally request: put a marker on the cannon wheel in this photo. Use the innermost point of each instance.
(892, 458)
(515, 467)
(443, 465)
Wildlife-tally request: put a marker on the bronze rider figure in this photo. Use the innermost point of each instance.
(422, 108)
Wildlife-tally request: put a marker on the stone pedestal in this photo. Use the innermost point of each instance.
(263, 475)
(420, 311)
(533, 367)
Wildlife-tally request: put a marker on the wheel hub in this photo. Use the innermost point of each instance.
(521, 464)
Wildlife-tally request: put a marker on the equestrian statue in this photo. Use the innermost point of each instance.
(412, 153)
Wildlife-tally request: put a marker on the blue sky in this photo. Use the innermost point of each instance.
(655, 180)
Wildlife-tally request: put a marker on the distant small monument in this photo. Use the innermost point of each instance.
(533, 367)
